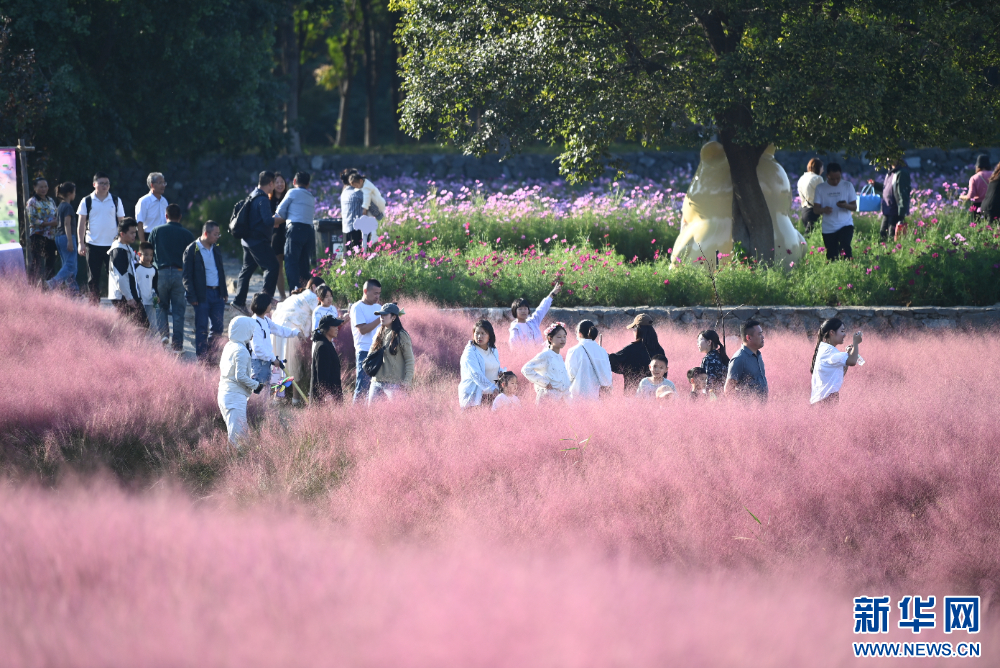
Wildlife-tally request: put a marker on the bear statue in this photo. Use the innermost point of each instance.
(707, 215)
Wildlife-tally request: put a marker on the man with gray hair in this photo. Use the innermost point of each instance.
(151, 209)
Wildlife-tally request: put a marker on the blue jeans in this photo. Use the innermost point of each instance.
(363, 381)
(67, 274)
(300, 240)
(260, 370)
(381, 391)
(211, 309)
(170, 289)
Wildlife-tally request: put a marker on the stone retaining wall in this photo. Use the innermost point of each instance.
(805, 319)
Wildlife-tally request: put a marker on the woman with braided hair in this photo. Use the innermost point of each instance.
(546, 370)
(829, 364)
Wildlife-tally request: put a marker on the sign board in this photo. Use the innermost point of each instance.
(8, 196)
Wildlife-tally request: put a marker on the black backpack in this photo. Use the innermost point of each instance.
(90, 202)
(239, 223)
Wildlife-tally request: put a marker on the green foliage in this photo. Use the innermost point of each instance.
(148, 80)
(943, 263)
(496, 75)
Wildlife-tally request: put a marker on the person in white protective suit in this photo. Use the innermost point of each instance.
(235, 380)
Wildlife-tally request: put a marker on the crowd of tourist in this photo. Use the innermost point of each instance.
(266, 346)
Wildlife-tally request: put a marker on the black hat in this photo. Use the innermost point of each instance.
(329, 321)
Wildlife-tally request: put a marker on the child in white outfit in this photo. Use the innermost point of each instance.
(525, 330)
(507, 398)
(649, 388)
(262, 352)
(372, 204)
(145, 281)
(326, 307)
(546, 370)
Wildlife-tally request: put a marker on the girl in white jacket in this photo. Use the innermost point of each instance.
(525, 330)
(480, 366)
(587, 364)
(262, 355)
(235, 382)
(546, 370)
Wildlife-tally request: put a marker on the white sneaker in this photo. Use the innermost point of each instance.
(165, 340)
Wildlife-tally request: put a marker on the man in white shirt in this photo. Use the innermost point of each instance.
(151, 209)
(364, 327)
(812, 177)
(99, 214)
(836, 201)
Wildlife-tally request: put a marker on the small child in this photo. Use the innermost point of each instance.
(373, 203)
(507, 383)
(648, 386)
(698, 377)
(262, 353)
(326, 306)
(145, 281)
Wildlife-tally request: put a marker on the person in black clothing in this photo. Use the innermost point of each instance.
(632, 361)
(324, 382)
(715, 361)
(257, 244)
(991, 202)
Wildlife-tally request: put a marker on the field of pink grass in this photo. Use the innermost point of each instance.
(628, 533)
(77, 376)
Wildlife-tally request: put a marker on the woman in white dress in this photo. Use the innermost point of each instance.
(480, 367)
(587, 364)
(546, 370)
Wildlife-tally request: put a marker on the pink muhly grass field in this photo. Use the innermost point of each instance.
(79, 378)
(630, 533)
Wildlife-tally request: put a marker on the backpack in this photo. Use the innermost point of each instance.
(239, 222)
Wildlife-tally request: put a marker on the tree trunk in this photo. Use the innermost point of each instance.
(345, 93)
(370, 71)
(752, 226)
(290, 65)
(347, 50)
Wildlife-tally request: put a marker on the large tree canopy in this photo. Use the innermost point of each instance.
(148, 80)
(495, 75)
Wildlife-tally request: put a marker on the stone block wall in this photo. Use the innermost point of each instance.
(803, 319)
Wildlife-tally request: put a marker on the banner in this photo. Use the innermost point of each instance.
(8, 196)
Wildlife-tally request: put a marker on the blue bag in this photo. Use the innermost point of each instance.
(868, 201)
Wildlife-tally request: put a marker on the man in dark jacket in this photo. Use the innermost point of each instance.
(325, 379)
(895, 198)
(205, 285)
(257, 250)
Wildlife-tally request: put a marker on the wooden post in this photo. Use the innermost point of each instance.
(22, 151)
